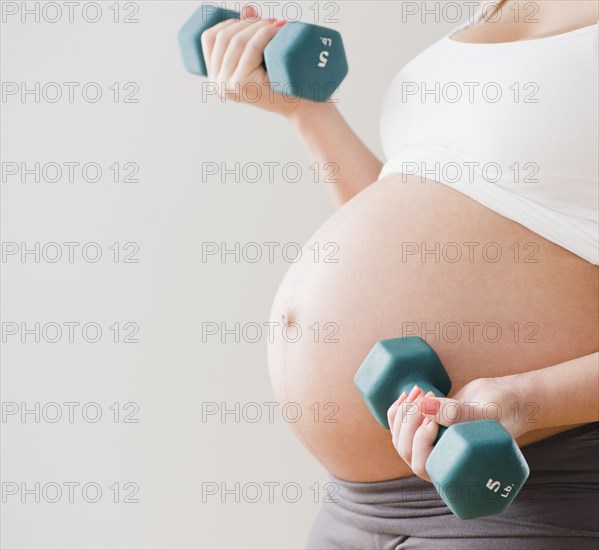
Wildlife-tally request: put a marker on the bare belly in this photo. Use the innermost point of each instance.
(485, 315)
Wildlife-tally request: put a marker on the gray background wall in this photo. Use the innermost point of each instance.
(162, 379)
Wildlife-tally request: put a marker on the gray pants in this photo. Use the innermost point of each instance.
(558, 508)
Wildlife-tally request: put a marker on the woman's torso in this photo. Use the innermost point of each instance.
(490, 295)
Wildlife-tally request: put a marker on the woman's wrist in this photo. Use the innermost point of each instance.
(308, 113)
(523, 407)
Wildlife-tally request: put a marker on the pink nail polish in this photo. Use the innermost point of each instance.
(280, 23)
(428, 406)
(399, 400)
(415, 391)
(401, 397)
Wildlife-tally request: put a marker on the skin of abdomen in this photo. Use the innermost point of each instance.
(534, 307)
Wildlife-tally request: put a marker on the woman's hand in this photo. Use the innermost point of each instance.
(414, 419)
(234, 52)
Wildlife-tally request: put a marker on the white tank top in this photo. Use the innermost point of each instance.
(513, 125)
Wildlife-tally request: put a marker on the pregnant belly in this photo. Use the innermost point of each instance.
(491, 297)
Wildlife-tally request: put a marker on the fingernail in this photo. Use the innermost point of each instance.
(415, 391)
(249, 12)
(426, 421)
(399, 400)
(280, 23)
(428, 406)
(401, 397)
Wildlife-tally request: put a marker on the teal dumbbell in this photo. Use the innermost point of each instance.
(476, 467)
(302, 60)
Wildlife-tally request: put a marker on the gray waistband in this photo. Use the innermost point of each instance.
(558, 508)
(571, 454)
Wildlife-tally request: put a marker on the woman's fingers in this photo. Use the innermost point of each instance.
(411, 422)
(208, 40)
(404, 418)
(234, 51)
(413, 433)
(422, 445)
(392, 411)
(236, 46)
(221, 44)
(414, 422)
(250, 13)
(235, 58)
(447, 411)
(253, 52)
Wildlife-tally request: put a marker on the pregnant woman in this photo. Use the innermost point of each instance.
(479, 234)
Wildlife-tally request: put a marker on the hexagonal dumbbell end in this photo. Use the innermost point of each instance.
(203, 18)
(305, 60)
(477, 468)
(395, 365)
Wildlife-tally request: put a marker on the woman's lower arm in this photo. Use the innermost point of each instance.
(329, 139)
(564, 394)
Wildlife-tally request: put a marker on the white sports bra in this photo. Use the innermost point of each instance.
(513, 125)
